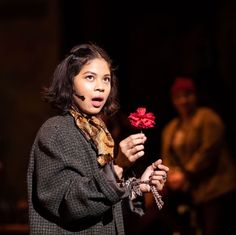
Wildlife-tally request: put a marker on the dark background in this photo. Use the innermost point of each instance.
(150, 42)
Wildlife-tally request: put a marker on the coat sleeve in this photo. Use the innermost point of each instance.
(65, 184)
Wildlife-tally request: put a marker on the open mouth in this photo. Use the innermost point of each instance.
(97, 101)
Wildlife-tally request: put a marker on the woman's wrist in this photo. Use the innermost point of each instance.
(118, 171)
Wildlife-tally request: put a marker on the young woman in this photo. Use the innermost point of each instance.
(75, 184)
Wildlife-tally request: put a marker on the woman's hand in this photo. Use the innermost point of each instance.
(176, 179)
(130, 149)
(156, 174)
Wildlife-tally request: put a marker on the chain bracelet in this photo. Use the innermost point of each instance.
(134, 185)
(157, 197)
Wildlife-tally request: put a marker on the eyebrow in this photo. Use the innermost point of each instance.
(90, 72)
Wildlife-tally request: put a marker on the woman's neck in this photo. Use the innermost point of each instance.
(187, 116)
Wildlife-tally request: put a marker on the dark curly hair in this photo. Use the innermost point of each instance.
(60, 92)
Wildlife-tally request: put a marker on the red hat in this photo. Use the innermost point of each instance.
(183, 83)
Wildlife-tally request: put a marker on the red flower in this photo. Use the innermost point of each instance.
(142, 120)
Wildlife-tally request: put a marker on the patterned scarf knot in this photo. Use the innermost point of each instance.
(95, 129)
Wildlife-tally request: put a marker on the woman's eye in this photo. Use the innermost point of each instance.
(107, 79)
(90, 77)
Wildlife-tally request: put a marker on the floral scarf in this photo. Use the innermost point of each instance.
(95, 129)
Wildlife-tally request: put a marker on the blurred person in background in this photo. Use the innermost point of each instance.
(202, 177)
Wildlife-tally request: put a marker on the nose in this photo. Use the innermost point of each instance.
(100, 89)
(99, 86)
(183, 100)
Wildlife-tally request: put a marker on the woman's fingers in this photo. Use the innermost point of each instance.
(133, 146)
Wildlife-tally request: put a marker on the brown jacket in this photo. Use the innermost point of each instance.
(204, 155)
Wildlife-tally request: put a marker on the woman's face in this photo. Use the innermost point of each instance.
(93, 83)
(184, 101)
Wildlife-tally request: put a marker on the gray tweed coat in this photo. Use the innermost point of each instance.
(67, 191)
